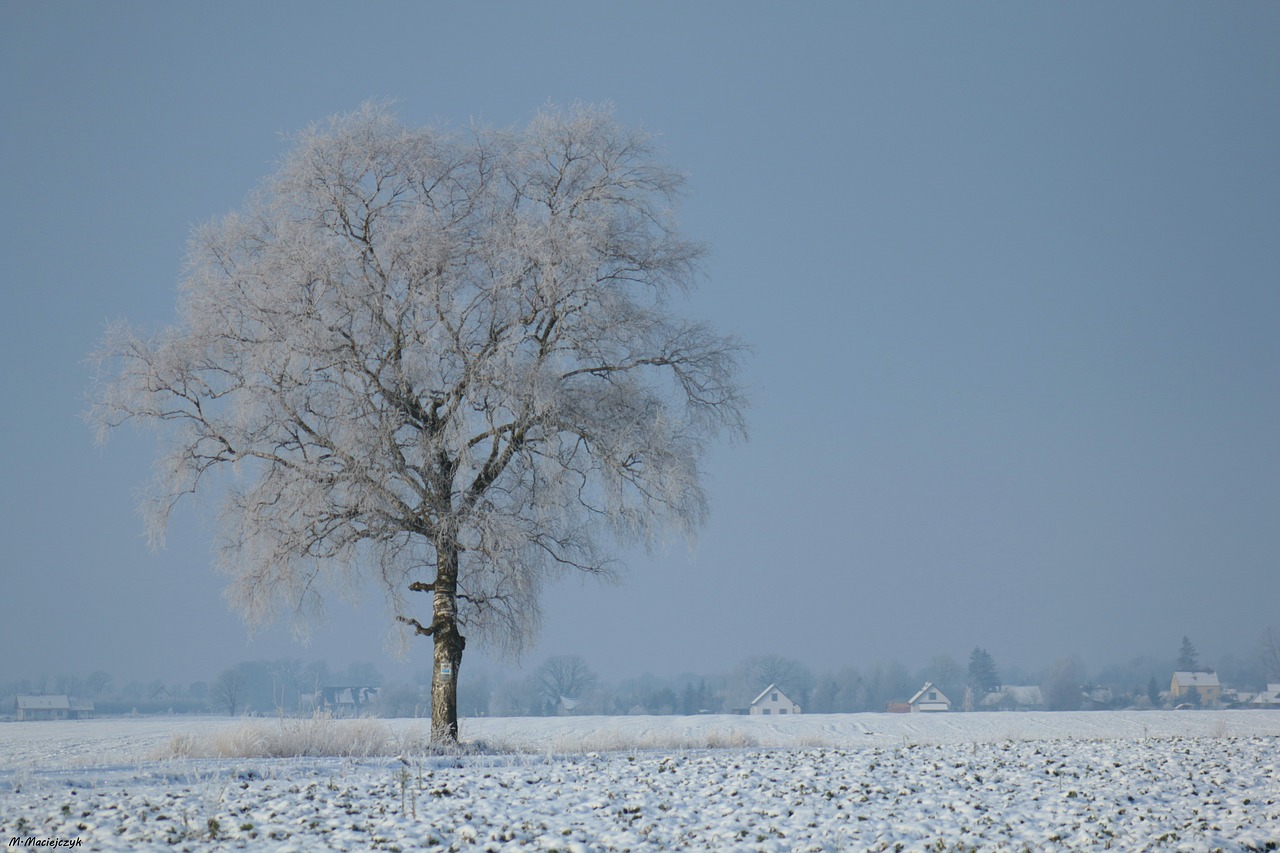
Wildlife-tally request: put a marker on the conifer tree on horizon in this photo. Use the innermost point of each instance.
(983, 677)
(1188, 657)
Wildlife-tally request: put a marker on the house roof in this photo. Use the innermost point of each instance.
(43, 703)
(1196, 679)
(1270, 696)
(355, 695)
(928, 685)
(772, 688)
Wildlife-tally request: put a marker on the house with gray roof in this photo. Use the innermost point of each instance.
(45, 706)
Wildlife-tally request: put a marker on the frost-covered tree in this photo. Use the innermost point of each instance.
(444, 361)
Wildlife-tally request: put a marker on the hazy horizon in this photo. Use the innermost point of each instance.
(1010, 273)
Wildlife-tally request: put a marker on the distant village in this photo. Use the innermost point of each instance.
(763, 685)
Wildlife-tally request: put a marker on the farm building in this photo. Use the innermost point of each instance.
(345, 701)
(1012, 697)
(51, 707)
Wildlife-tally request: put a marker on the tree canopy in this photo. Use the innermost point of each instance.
(443, 360)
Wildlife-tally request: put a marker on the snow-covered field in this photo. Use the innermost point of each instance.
(1105, 780)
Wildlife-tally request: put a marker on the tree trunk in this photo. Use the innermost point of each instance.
(449, 644)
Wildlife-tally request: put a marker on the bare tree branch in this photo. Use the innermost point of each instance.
(417, 626)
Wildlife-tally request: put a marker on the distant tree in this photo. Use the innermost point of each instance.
(853, 693)
(1188, 657)
(1153, 692)
(1061, 687)
(822, 700)
(447, 363)
(983, 677)
(1245, 672)
(246, 686)
(258, 694)
(946, 674)
(884, 683)
(229, 690)
(566, 676)
(286, 675)
(14, 688)
(400, 701)
(695, 698)
(647, 694)
(661, 701)
(1130, 676)
(791, 676)
(316, 675)
(475, 693)
(362, 674)
(71, 685)
(688, 700)
(517, 698)
(1269, 653)
(98, 682)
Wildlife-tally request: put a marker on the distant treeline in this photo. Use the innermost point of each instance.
(567, 685)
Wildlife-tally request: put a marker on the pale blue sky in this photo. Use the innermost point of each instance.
(1011, 272)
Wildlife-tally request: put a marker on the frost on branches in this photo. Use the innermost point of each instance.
(443, 360)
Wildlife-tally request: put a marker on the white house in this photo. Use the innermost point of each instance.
(773, 701)
(1269, 698)
(929, 698)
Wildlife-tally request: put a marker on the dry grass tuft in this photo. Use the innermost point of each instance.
(312, 737)
(323, 736)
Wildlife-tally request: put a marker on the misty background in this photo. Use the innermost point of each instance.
(1011, 275)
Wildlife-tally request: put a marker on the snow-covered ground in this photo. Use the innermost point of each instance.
(1105, 780)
